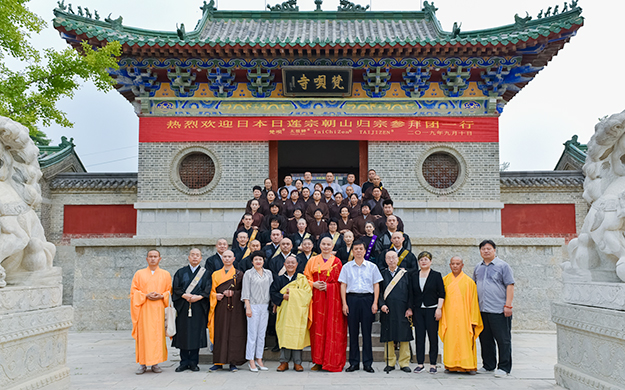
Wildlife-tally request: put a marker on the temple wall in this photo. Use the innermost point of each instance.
(541, 195)
(240, 166)
(103, 270)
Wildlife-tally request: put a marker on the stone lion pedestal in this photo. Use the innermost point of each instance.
(591, 319)
(33, 324)
(33, 334)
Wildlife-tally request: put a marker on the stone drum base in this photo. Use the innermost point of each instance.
(591, 347)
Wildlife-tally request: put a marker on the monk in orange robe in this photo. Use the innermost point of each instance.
(461, 322)
(149, 295)
(328, 329)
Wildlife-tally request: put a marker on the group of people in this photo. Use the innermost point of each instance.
(316, 299)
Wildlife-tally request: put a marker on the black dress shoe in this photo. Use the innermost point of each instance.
(352, 369)
(194, 368)
(276, 348)
(406, 369)
(388, 368)
(369, 369)
(181, 368)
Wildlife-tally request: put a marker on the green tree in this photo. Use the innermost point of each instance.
(30, 94)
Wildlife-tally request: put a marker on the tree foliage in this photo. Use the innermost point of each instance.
(31, 93)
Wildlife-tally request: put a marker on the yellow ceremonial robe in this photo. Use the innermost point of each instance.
(148, 317)
(460, 324)
(292, 315)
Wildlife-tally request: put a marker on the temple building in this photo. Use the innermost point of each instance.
(253, 94)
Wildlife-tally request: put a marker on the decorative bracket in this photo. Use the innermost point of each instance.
(182, 81)
(139, 81)
(261, 82)
(376, 83)
(455, 81)
(415, 83)
(221, 83)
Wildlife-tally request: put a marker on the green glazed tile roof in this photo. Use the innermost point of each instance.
(280, 29)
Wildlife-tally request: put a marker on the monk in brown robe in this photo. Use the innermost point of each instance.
(226, 322)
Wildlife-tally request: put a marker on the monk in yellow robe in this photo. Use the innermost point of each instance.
(461, 322)
(149, 295)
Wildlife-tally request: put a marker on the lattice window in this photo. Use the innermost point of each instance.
(196, 170)
(441, 170)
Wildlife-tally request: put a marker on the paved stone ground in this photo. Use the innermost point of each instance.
(106, 360)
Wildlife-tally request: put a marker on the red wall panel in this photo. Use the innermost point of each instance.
(536, 219)
(99, 219)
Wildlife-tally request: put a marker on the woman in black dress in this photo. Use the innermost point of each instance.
(428, 294)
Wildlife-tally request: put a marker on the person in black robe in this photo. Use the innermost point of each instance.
(276, 262)
(395, 308)
(345, 252)
(192, 311)
(406, 259)
(300, 234)
(334, 235)
(246, 225)
(265, 237)
(239, 247)
(376, 203)
(334, 206)
(246, 263)
(291, 226)
(214, 262)
(274, 209)
(384, 240)
(380, 224)
(257, 196)
(272, 246)
(307, 252)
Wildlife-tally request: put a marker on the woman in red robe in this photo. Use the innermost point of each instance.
(328, 329)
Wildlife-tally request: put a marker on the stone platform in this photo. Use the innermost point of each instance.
(591, 347)
(33, 338)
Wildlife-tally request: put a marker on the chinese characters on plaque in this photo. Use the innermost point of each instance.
(317, 81)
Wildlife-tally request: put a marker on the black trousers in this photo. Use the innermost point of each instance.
(360, 316)
(497, 327)
(189, 357)
(425, 322)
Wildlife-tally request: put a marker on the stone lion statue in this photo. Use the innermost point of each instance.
(23, 245)
(598, 254)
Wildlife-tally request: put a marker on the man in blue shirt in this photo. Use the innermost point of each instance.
(360, 288)
(495, 290)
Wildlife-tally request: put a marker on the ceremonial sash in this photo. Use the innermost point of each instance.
(277, 253)
(402, 256)
(252, 238)
(371, 243)
(394, 282)
(335, 238)
(194, 283)
(351, 255)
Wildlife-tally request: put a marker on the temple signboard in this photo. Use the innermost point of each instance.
(317, 81)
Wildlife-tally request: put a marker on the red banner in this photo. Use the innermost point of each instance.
(441, 129)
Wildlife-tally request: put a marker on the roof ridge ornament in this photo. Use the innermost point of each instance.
(565, 8)
(318, 4)
(116, 24)
(429, 7)
(210, 8)
(455, 31)
(520, 22)
(287, 6)
(347, 6)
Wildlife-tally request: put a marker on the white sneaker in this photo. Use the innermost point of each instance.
(482, 370)
(500, 373)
